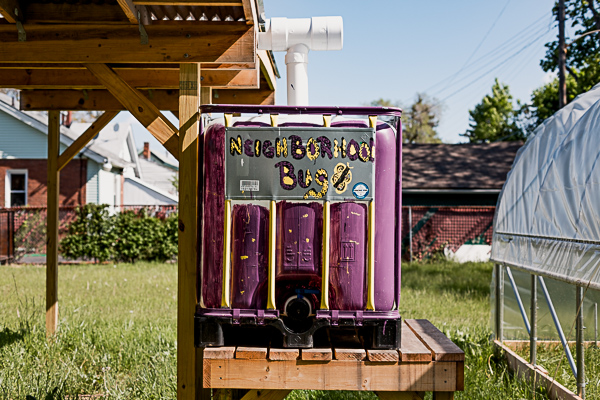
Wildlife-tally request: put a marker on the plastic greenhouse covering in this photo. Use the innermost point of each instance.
(548, 216)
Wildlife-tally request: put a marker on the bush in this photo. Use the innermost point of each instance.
(91, 235)
(128, 236)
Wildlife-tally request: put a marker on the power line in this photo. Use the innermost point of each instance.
(479, 45)
(495, 67)
(518, 38)
(500, 55)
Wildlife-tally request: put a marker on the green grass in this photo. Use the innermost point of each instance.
(555, 362)
(118, 331)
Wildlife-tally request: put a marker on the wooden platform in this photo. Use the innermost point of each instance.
(427, 362)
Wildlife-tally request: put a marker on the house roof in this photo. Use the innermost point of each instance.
(464, 166)
(39, 121)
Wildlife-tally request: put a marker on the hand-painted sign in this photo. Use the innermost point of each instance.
(299, 163)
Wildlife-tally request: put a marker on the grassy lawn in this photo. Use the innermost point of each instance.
(118, 331)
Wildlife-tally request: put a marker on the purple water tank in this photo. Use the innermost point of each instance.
(250, 253)
(300, 237)
(348, 256)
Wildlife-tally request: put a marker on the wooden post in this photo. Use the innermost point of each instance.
(52, 223)
(189, 102)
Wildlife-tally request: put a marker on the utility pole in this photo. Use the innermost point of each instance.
(562, 56)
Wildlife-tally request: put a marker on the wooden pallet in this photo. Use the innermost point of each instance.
(427, 362)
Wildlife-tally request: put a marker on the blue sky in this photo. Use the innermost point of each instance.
(393, 49)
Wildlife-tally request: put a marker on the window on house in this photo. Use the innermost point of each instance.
(16, 188)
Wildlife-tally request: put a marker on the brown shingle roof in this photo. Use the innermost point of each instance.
(457, 166)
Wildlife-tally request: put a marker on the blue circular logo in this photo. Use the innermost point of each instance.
(360, 190)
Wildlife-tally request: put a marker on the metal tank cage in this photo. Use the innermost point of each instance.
(383, 325)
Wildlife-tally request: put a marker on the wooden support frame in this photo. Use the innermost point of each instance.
(139, 106)
(78, 100)
(427, 362)
(81, 78)
(170, 42)
(53, 189)
(189, 378)
(78, 145)
(536, 374)
(7, 9)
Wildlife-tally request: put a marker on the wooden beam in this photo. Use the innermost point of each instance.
(123, 66)
(53, 185)
(535, 374)
(7, 9)
(267, 69)
(170, 42)
(139, 106)
(75, 100)
(331, 375)
(85, 138)
(131, 12)
(67, 13)
(187, 297)
(140, 79)
(250, 11)
(200, 3)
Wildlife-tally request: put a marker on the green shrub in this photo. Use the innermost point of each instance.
(91, 236)
(127, 236)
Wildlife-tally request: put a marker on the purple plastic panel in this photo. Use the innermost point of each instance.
(385, 211)
(214, 210)
(348, 256)
(300, 236)
(250, 253)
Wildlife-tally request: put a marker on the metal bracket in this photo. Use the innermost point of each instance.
(21, 31)
(143, 33)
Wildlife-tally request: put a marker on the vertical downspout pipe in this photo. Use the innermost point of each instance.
(298, 36)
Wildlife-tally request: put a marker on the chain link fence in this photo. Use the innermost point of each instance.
(427, 231)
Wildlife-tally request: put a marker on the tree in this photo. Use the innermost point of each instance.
(584, 16)
(419, 120)
(495, 118)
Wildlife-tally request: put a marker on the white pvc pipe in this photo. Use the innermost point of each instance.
(296, 61)
(298, 37)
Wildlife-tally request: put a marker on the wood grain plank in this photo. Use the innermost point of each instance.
(412, 349)
(7, 9)
(179, 42)
(251, 353)
(316, 355)
(283, 354)
(85, 138)
(332, 375)
(380, 356)
(350, 354)
(531, 373)
(214, 353)
(53, 185)
(139, 106)
(186, 148)
(77, 100)
(436, 341)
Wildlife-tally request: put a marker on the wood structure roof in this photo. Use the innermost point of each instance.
(46, 45)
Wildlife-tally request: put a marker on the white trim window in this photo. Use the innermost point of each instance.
(16, 188)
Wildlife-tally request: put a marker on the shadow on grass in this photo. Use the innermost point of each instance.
(8, 336)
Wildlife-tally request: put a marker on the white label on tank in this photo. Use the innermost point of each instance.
(249, 185)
